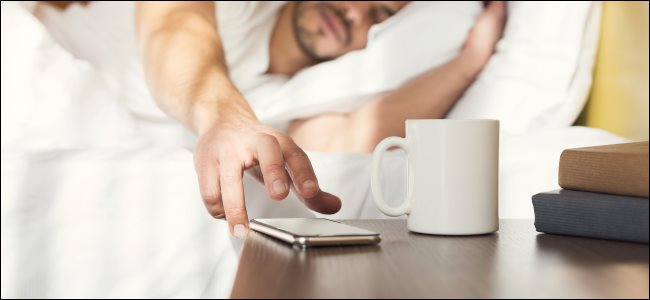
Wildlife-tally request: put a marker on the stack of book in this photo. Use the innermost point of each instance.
(604, 194)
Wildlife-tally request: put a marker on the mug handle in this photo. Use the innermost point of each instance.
(405, 207)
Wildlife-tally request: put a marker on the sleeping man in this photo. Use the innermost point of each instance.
(192, 60)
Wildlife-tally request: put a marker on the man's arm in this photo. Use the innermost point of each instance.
(184, 63)
(186, 72)
(428, 96)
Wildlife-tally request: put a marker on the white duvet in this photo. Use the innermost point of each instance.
(99, 202)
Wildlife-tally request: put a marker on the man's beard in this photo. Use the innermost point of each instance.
(306, 39)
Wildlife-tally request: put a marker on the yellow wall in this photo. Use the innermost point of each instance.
(619, 97)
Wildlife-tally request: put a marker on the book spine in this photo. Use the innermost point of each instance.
(603, 173)
(595, 216)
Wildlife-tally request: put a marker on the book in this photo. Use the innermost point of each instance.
(593, 215)
(620, 169)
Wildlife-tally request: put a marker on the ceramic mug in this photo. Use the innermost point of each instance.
(453, 172)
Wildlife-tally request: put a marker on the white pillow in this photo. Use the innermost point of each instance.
(49, 98)
(419, 37)
(540, 76)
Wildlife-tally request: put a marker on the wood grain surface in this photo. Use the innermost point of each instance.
(512, 263)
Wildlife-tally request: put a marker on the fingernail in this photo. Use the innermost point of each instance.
(239, 231)
(309, 185)
(278, 187)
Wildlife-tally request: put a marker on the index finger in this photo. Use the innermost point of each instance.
(232, 194)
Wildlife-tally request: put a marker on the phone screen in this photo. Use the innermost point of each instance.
(314, 227)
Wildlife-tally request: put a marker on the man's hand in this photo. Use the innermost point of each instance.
(232, 145)
(187, 75)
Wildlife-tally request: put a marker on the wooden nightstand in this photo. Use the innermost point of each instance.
(515, 262)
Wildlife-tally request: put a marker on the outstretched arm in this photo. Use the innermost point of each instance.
(187, 75)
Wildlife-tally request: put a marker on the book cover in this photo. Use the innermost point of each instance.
(594, 215)
(620, 169)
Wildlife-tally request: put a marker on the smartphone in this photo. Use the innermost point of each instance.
(305, 232)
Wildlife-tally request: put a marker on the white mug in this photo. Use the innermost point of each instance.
(453, 171)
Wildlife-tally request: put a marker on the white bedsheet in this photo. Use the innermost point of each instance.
(97, 202)
(130, 222)
(109, 223)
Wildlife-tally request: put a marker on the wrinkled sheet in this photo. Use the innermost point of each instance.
(98, 201)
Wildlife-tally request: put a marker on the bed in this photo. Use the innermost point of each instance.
(100, 202)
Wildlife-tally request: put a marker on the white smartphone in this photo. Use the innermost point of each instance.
(304, 232)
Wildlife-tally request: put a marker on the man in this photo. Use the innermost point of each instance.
(188, 74)
(427, 96)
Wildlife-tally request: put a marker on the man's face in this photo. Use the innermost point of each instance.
(328, 29)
